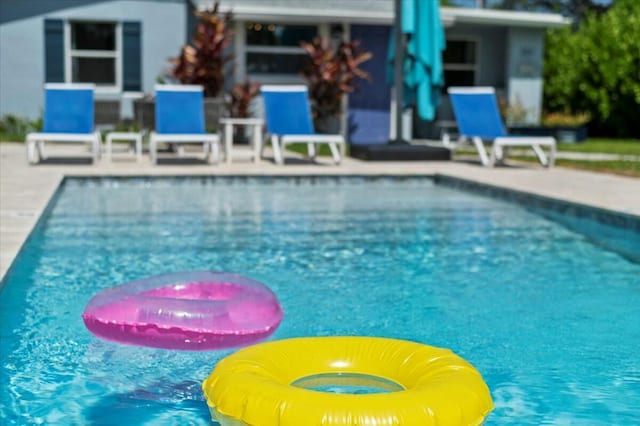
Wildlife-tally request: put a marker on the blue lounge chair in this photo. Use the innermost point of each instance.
(180, 119)
(68, 117)
(478, 118)
(288, 118)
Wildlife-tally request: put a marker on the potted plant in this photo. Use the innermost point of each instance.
(330, 73)
(564, 126)
(240, 99)
(567, 127)
(204, 62)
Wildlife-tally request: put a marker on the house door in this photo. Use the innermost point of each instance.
(368, 115)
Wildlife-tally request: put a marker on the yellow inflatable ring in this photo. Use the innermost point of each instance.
(256, 386)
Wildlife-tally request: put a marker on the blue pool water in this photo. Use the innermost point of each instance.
(550, 318)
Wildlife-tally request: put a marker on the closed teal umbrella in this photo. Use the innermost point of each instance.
(422, 58)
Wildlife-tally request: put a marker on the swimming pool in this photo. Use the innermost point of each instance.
(548, 317)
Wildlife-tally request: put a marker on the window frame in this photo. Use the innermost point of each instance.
(116, 54)
(243, 49)
(475, 67)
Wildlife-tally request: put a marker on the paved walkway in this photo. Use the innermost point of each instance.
(25, 190)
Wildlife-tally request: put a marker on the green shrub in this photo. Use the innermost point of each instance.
(596, 69)
(15, 129)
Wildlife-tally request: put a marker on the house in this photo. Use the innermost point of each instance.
(124, 45)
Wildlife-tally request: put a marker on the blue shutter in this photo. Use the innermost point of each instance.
(132, 56)
(54, 51)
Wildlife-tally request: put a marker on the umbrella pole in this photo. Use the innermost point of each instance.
(400, 44)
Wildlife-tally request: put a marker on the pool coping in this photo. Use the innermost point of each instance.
(605, 216)
(27, 191)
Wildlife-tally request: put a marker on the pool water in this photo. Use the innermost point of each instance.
(549, 318)
(349, 383)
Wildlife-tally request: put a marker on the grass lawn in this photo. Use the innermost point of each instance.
(606, 146)
(11, 137)
(628, 147)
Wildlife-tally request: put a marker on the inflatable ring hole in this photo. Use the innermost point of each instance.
(347, 383)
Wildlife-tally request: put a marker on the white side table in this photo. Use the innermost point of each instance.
(256, 138)
(135, 137)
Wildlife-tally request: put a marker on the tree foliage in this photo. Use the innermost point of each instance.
(596, 69)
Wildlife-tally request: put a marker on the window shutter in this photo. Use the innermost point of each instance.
(132, 56)
(54, 50)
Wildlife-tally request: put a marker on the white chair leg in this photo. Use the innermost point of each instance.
(446, 139)
(277, 151)
(152, 148)
(552, 155)
(228, 141)
(108, 148)
(311, 150)
(97, 147)
(207, 148)
(215, 151)
(541, 155)
(138, 147)
(500, 153)
(493, 157)
(262, 146)
(335, 152)
(31, 151)
(257, 143)
(481, 151)
(40, 149)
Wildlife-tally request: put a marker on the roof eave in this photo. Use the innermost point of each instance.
(449, 16)
(504, 18)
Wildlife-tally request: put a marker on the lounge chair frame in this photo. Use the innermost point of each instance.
(35, 141)
(279, 140)
(210, 141)
(500, 140)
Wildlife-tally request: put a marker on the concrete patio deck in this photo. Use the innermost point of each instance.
(25, 190)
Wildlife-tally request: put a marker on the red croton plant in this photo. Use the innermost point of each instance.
(241, 96)
(331, 73)
(203, 61)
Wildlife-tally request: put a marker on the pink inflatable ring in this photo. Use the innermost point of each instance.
(198, 311)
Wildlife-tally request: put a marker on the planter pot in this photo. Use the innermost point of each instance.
(571, 134)
(327, 125)
(532, 131)
(144, 112)
(562, 134)
(214, 110)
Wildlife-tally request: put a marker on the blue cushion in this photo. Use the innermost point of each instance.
(68, 110)
(477, 114)
(179, 111)
(287, 112)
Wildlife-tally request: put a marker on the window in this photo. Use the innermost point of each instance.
(275, 48)
(94, 54)
(460, 63)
